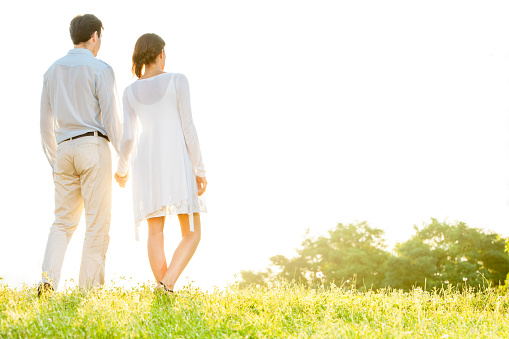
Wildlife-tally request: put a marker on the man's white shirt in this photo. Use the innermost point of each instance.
(78, 96)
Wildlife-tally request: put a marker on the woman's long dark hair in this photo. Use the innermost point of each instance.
(147, 48)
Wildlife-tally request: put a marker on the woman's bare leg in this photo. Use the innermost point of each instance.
(155, 247)
(185, 249)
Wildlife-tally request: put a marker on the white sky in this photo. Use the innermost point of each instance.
(308, 113)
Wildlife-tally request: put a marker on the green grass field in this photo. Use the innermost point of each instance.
(283, 311)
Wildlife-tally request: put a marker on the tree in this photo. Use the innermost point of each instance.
(350, 252)
(252, 278)
(455, 254)
(293, 269)
(413, 265)
(438, 254)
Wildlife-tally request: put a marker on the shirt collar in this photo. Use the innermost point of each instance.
(81, 51)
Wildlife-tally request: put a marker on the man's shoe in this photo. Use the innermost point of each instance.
(44, 288)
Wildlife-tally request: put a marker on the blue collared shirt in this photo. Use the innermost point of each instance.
(78, 96)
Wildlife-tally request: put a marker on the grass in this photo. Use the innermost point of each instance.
(283, 311)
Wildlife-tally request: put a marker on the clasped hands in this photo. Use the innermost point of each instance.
(201, 181)
(122, 181)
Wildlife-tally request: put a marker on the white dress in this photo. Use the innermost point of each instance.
(166, 157)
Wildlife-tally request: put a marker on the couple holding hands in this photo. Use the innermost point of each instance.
(158, 139)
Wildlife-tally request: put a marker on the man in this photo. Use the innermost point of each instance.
(78, 118)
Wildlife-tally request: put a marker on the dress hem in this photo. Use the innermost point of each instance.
(170, 210)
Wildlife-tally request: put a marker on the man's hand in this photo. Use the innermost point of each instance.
(122, 181)
(202, 184)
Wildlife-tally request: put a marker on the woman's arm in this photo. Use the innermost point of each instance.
(128, 136)
(186, 118)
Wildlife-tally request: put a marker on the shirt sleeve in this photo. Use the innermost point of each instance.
(108, 102)
(184, 108)
(49, 143)
(128, 136)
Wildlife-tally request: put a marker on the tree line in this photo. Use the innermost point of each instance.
(356, 255)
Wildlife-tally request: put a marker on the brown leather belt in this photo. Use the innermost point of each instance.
(88, 134)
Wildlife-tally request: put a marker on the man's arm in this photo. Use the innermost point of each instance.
(49, 143)
(108, 102)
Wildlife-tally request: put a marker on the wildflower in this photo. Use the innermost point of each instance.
(319, 275)
(447, 281)
(465, 279)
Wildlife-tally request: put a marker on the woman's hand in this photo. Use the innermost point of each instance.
(122, 180)
(202, 184)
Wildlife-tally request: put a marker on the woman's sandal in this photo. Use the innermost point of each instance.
(166, 289)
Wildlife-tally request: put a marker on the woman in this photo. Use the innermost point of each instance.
(167, 169)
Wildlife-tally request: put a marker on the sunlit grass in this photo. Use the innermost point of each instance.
(282, 311)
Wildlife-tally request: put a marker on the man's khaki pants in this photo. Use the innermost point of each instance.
(82, 177)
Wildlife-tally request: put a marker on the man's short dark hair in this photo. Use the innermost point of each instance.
(83, 26)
